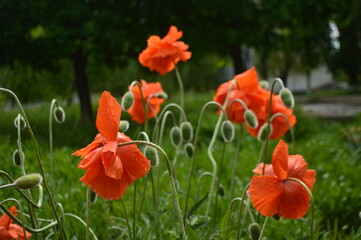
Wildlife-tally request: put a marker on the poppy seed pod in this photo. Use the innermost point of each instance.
(189, 150)
(176, 136)
(22, 122)
(123, 126)
(28, 181)
(287, 97)
(227, 131)
(17, 157)
(187, 131)
(254, 231)
(251, 118)
(152, 155)
(264, 84)
(262, 133)
(59, 114)
(127, 100)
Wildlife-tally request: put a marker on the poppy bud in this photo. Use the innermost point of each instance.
(28, 181)
(251, 118)
(22, 121)
(17, 157)
(287, 97)
(187, 131)
(176, 136)
(262, 133)
(254, 231)
(189, 150)
(264, 84)
(93, 196)
(59, 114)
(123, 126)
(162, 95)
(152, 155)
(227, 131)
(127, 100)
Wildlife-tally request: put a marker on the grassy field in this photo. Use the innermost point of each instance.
(332, 149)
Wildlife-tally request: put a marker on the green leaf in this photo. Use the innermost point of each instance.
(192, 235)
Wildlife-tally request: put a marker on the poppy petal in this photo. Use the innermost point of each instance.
(264, 192)
(297, 166)
(108, 117)
(309, 178)
(248, 80)
(112, 164)
(98, 142)
(134, 162)
(90, 159)
(280, 160)
(268, 170)
(294, 200)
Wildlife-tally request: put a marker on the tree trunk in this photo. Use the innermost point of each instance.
(81, 85)
(239, 63)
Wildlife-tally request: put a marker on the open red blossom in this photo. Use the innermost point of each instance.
(163, 54)
(273, 193)
(150, 91)
(8, 230)
(109, 168)
(279, 123)
(246, 89)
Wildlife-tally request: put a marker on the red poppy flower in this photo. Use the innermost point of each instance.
(245, 89)
(150, 91)
(109, 168)
(163, 54)
(8, 230)
(279, 123)
(272, 193)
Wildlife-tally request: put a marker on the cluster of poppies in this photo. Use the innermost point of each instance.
(110, 168)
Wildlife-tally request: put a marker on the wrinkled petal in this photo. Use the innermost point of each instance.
(280, 160)
(268, 171)
(248, 80)
(108, 117)
(294, 200)
(264, 192)
(134, 162)
(90, 159)
(297, 166)
(17, 231)
(111, 162)
(4, 234)
(98, 142)
(309, 178)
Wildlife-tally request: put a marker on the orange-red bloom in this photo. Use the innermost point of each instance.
(150, 91)
(8, 230)
(279, 123)
(163, 54)
(246, 89)
(109, 168)
(273, 193)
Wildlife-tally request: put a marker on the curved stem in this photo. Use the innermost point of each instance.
(240, 213)
(235, 159)
(144, 103)
(81, 220)
(199, 181)
(289, 126)
(134, 208)
(164, 119)
(200, 120)
(126, 219)
(263, 228)
(88, 196)
(171, 175)
(312, 203)
(51, 154)
(52, 203)
(181, 89)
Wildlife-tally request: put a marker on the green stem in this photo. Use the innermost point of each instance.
(312, 203)
(126, 219)
(181, 89)
(171, 175)
(219, 181)
(240, 213)
(52, 203)
(88, 196)
(51, 153)
(263, 228)
(235, 160)
(81, 220)
(134, 208)
(144, 103)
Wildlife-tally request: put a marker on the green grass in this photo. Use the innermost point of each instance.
(323, 144)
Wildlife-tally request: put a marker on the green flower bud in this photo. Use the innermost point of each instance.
(17, 157)
(262, 133)
(264, 84)
(227, 131)
(287, 97)
(152, 155)
(251, 118)
(176, 136)
(28, 181)
(254, 231)
(123, 126)
(189, 150)
(127, 100)
(22, 121)
(59, 114)
(187, 131)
